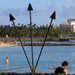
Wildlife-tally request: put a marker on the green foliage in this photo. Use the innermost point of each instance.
(37, 31)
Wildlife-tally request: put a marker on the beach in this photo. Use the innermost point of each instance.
(7, 44)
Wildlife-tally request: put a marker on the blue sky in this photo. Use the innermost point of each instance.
(42, 9)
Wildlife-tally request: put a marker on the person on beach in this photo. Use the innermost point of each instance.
(6, 61)
(62, 69)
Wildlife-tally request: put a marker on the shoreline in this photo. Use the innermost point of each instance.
(46, 44)
(7, 44)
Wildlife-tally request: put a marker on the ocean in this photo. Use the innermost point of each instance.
(51, 55)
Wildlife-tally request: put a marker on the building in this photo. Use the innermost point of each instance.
(72, 23)
(68, 25)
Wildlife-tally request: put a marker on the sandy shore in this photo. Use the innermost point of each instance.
(7, 44)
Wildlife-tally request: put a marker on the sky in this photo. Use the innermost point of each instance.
(42, 10)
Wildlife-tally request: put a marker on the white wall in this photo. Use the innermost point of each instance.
(73, 24)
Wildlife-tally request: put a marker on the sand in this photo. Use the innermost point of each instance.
(7, 44)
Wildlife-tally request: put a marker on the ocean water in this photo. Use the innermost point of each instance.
(51, 55)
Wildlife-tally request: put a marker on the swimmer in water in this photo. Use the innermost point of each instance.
(6, 60)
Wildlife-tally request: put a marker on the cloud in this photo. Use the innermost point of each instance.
(68, 12)
(19, 12)
(16, 12)
(63, 12)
